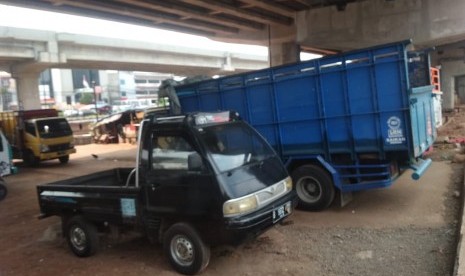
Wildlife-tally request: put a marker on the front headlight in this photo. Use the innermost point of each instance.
(44, 148)
(240, 206)
(288, 183)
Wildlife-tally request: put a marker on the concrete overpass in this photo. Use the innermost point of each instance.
(283, 24)
(287, 26)
(25, 53)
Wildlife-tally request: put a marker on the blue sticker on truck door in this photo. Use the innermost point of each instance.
(395, 134)
(128, 207)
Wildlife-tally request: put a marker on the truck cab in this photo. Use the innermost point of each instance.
(211, 167)
(201, 180)
(47, 138)
(38, 135)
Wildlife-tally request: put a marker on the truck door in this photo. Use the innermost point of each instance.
(172, 187)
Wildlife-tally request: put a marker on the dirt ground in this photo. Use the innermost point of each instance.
(407, 229)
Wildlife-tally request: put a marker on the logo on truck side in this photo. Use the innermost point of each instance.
(395, 132)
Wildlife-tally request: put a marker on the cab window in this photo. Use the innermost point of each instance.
(170, 153)
(30, 128)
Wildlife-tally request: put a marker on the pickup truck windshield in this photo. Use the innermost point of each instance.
(234, 145)
(51, 128)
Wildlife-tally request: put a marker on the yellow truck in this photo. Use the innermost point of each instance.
(38, 135)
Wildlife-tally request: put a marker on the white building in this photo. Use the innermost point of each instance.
(63, 88)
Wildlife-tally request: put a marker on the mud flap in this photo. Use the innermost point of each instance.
(345, 198)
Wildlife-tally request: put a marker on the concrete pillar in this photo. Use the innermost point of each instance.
(57, 86)
(451, 59)
(449, 71)
(27, 86)
(282, 45)
(282, 53)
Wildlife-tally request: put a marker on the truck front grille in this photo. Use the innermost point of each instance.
(59, 147)
(271, 192)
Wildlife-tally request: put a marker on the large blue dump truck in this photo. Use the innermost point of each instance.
(348, 122)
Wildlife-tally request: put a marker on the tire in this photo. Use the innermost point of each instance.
(30, 159)
(64, 159)
(186, 251)
(314, 187)
(3, 191)
(82, 237)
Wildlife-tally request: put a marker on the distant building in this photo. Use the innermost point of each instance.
(141, 85)
(138, 89)
(64, 88)
(8, 98)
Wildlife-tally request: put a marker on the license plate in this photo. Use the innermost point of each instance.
(282, 211)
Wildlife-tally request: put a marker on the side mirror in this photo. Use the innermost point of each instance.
(194, 162)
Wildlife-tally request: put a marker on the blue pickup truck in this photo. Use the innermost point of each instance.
(341, 123)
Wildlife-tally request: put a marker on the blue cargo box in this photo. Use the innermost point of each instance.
(352, 103)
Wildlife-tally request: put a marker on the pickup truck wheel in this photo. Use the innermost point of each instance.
(3, 191)
(314, 187)
(64, 159)
(186, 251)
(82, 237)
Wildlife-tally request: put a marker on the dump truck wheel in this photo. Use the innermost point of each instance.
(314, 187)
(3, 191)
(64, 159)
(82, 236)
(186, 251)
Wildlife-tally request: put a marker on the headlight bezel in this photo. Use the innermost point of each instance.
(249, 203)
(240, 206)
(288, 183)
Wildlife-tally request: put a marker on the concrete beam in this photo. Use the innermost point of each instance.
(188, 13)
(26, 53)
(368, 23)
(272, 7)
(158, 18)
(235, 11)
(61, 50)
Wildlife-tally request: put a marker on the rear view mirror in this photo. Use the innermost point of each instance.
(194, 162)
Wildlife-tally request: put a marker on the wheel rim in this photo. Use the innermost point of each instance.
(182, 250)
(78, 238)
(309, 189)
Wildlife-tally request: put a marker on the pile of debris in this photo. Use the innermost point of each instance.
(450, 142)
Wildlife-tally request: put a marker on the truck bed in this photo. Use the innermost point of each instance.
(102, 196)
